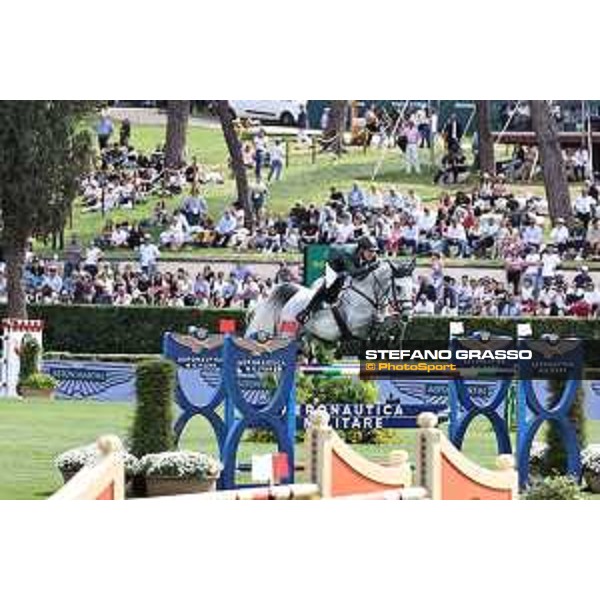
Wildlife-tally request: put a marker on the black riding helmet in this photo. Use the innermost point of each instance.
(366, 242)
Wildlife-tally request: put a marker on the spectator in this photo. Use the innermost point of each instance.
(277, 157)
(411, 133)
(104, 130)
(258, 197)
(593, 239)
(92, 258)
(424, 306)
(453, 132)
(560, 236)
(584, 206)
(580, 163)
(225, 228)
(73, 255)
(356, 198)
(260, 152)
(302, 122)
(194, 207)
(149, 255)
(550, 262)
(125, 132)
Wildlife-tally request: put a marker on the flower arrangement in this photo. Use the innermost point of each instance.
(71, 461)
(180, 465)
(538, 458)
(39, 381)
(590, 461)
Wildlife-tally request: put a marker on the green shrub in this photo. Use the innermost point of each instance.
(556, 456)
(554, 488)
(342, 390)
(29, 358)
(152, 430)
(97, 329)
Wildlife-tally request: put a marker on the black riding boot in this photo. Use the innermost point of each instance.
(319, 297)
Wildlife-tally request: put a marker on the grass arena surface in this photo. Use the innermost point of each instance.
(33, 433)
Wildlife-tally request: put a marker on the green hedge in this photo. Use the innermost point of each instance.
(139, 329)
(120, 330)
(436, 328)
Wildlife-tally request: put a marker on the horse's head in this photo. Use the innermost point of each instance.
(404, 269)
(402, 286)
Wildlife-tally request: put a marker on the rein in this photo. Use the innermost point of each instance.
(378, 301)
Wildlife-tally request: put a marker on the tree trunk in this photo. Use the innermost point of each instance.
(487, 161)
(553, 168)
(333, 136)
(178, 113)
(14, 253)
(236, 159)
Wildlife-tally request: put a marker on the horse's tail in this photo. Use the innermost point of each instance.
(266, 314)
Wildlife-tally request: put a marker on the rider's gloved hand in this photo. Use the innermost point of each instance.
(302, 317)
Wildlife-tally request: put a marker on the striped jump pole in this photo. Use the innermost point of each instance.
(330, 370)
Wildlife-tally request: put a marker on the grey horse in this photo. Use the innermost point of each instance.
(361, 304)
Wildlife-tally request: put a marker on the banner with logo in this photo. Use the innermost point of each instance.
(93, 380)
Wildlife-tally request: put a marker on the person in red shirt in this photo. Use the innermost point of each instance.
(580, 308)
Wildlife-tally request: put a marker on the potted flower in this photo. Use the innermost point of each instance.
(71, 461)
(590, 461)
(183, 472)
(538, 459)
(38, 385)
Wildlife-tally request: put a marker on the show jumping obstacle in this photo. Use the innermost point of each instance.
(335, 471)
(549, 357)
(236, 384)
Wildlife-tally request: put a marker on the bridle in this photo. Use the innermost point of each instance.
(381, 291)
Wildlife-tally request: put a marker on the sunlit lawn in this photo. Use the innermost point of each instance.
(32, 434)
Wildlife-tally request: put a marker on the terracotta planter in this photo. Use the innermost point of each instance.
(593, 481)
(173, 486)
(36, 394)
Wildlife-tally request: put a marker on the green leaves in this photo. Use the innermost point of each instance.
(43, 151)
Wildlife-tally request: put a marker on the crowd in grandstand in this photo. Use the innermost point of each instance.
(539, 287)
(490, 221)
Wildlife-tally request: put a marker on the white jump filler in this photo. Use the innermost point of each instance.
(13, 332)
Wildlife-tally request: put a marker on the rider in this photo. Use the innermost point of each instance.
(364, 259)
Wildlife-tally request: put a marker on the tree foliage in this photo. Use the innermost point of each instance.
(43, 150)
